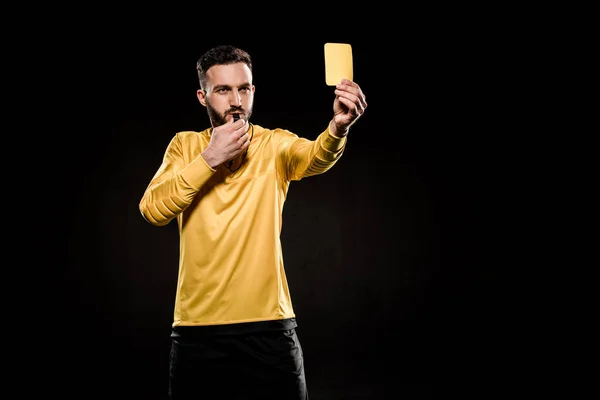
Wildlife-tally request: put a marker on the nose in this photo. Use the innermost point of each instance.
(236, 99)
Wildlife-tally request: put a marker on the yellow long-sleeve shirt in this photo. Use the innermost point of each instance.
(231, 266)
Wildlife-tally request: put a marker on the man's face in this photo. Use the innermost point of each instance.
(228, 91)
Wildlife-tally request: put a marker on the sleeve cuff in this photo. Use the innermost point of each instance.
(333, 143)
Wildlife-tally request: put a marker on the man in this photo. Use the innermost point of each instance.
(233, 333)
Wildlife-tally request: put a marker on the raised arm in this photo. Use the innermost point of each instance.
(174, 185)
(302, 157)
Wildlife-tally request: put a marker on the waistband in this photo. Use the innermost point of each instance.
(234, 329)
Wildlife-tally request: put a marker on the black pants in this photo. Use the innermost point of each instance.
(264, 365)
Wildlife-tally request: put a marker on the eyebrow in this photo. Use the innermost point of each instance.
(219, 87)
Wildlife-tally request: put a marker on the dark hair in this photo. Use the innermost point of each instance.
(221, 55)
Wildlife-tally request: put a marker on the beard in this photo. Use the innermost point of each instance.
(218, 119)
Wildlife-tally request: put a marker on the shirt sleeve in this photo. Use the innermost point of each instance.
(301, 157)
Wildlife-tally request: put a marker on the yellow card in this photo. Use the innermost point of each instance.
(338, 63)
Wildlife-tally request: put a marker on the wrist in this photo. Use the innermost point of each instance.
(210, 159)
(336, 132)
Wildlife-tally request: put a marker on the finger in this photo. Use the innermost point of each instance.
(242, 140)
(243, 137)
(354, 107)
(246, 144)
(357, 98)
(362, 100)
(236, 124)
(354, 94)
(348, 86)
(347, 96)
(349, 83)
(237, 134)
(244, 127)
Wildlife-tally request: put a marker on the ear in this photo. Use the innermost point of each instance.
(201, 95)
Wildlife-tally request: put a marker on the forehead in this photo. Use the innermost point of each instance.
(229, 75)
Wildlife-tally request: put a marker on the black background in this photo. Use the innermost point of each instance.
(390, 256)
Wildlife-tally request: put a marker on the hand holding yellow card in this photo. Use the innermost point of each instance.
(338, 63)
